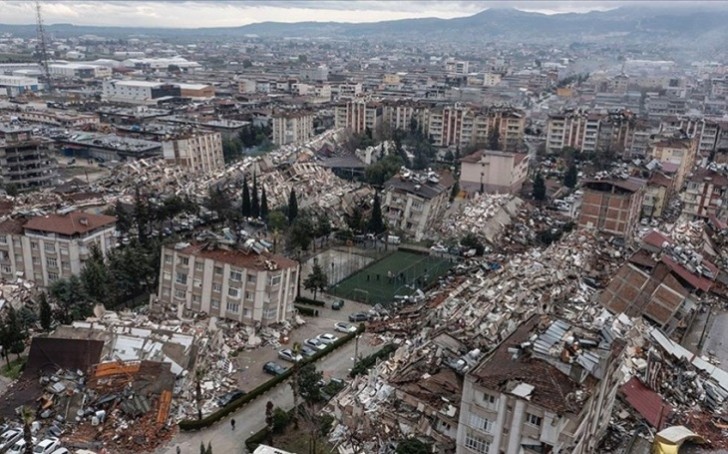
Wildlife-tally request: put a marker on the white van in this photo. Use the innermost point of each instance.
(393, 239)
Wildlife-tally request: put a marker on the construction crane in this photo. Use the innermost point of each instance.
(42, 50)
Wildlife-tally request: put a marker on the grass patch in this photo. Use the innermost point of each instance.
(409, 271)
(15, 369)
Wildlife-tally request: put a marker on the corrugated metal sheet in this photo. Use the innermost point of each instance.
(648, 403)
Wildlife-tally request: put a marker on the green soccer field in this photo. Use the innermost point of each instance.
(399, 273)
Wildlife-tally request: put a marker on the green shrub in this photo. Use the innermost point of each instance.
(281, 419)
(307, 311)
(309, 301)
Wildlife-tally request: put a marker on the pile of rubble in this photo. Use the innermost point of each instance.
(17, 294)
(484, 215)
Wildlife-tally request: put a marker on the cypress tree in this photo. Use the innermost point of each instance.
(246, 198)
(254, 203)
(376, 224)
(292, 206)
(263, 204)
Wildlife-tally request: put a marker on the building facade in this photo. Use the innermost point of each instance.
(493, 171)
(45, 248)
(358, 116)
(137, 91)
(678, 151)
(413, 204)
(548, 388)
(706, 194)
(25, 161)
(292, 127)
(199, 152)
(612, 206)
(231, 283)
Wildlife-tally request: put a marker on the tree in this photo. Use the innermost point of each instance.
(123, 220)
(277, 220)
(231, 149)
(263, 204)
(413, 446)
(295, 348)
(11, 334)
(292, 206)
(141, 216)
(254, 204)
(470, 241)
(70, 299)
(539, 188)
(384, 169)
(218, 202)
(269, 420)
(247, 63)
(376, 223)
(316, 281)
(134, 270)
(199, 375)
(27, 416)
(309, 384)
(27, 318)
(355, 220)
(300, 233)
(323, 226)
(246, 198)
(95, 277)
(570, 178)
(494, 139)
(44, 312)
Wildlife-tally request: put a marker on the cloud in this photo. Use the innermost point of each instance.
(223, 13)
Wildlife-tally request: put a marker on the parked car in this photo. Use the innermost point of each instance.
(344, 327)
(273, 368)
(315, 343)
(62, 451)
(307, 351)
(358, 317)
(337, 305)
(288, 355)
(327, 338)
(19, 446)
(47, 446)
(229, 397)
(9, 437)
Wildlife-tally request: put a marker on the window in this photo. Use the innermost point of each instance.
(52, 276)
(234, 292)
(489, 400)
(166, 275)
(52, 262)
(218, 270)
(34, 245)
(533, 420)
(165, 292)
(233, 307)
(197, 283)
(269, 313)
(275, 280)
(181, 278)
(198, 266)
(3, 239)
(49, 247)
(236, 275)
(179, 294)
(248, 296)
(215, 304)
(195, 299)
(477, 444)
(247, 313)
(7, 269)
(167, 259)
(36, 261)
(184, 260)
(252, 277)
(217, 288)
(480, 423)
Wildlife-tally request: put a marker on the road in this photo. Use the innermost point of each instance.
(250, 418)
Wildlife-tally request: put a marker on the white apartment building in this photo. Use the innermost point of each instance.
(239, 285)
(292, 127)
(200, 152)
(493, 171)
(358, 115)
(45, 248)
(413, 204)
(549, 387)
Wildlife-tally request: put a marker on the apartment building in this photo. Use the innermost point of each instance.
(493, 171)
(292, 127)
(591, 132)
(677, 151)
(137, 91)
(461, 125)
(358, 115)
(612, 206)
(244, 284)
(25, 161)
(414, 203)
(46, 248)
(706, 193)
(657, 193)
(200, 152)
(549, 387)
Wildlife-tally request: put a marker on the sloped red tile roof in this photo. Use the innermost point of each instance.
(75, 223)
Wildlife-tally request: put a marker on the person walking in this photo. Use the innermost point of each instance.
(232, 423)
(179, 450)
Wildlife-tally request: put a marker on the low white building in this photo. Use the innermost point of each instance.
(292, 127)
(200, 152)
(137, 91)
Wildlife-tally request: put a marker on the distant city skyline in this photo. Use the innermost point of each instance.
(194, 14)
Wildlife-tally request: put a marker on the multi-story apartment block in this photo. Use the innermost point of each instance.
(549, 387)
(657, 193)
(591, 132)
(414, 203)
(493, 171)
(612, 206)
(292, 127)
(200, 152)
(46, 248)
(239, 284)
(677, 151)
(706, 193)
(461, 125)
(25, 161)
(358, 115)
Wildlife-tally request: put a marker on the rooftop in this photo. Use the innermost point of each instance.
(239, 258)
(74, 223)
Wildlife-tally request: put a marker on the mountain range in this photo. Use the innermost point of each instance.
(677, 25)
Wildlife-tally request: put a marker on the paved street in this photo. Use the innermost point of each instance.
(250, 418)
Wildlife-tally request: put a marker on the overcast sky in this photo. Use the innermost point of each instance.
(210, 13)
